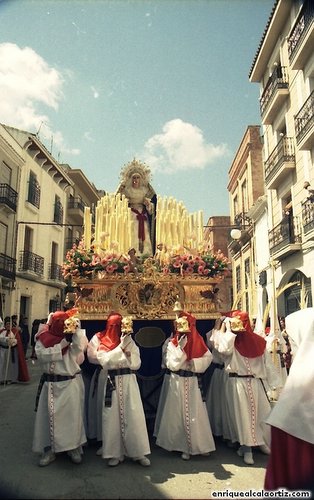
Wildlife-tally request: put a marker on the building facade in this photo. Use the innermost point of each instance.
(11, 163)
(217, 235)
(245, 187)
(284, 68)
(42, 208)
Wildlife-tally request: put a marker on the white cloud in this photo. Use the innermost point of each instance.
(180, 146)
(88, 136)
(95, 92)
(27, 84)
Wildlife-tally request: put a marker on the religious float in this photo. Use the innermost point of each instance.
(140, 254)
(110, 272)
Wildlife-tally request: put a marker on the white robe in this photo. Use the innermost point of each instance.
(293, 412)
(59, 421)
(163, 391)
(219, 407)
(13, 366)
(124, 431)
(247, 395)
(276, 356)
(95, 402)
(184, 424)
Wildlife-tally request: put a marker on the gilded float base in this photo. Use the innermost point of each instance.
(147, 296)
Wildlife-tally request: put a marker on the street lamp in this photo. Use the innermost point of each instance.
(235, 234)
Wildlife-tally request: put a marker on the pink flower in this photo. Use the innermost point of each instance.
(189, 270)
(111, 268)
(176, 263)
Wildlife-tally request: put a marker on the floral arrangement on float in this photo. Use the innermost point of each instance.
(89, 264)
(206, 264)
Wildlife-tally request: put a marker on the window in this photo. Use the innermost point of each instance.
(3, 238)
(235, 206)
(238, 284)
(28, 239)
(33, 190)
(5, 174)
(58, 211)
(247, 271)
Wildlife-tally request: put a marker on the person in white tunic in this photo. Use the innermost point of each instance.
(59, 422)
(183, 419)
(248, 365)
(221, 421)
(123, 425)
(291, 420)
(276, 346)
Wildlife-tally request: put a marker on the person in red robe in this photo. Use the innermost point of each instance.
(11, 335)
(291, 459)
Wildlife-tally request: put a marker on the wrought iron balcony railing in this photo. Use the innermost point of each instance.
(304, 120)
(7, 266)
(308, 216)
(283, 152)
(29, 261)
(8, 196)
(301, 28)
(286, 233)
(55, 272)
(76, 203)
(277, 80)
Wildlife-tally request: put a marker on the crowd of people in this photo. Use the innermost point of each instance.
(237, 405)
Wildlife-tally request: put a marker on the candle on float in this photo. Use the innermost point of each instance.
(97, 228)
(201, 226)
(119, 232)
(87, 227)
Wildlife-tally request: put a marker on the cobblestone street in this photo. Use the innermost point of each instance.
(168, 476)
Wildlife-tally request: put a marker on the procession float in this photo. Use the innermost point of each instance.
(140, 254)
(139, 261)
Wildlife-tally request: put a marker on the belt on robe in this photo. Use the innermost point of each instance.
(217, 365)
(50, 377)
(231, 374)
(111, 385)
(187, 373)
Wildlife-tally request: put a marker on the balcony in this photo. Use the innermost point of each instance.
(274, 95)
(280, 162)
(304, 124)
(7, 267)
(76, 210)
(301, 39)
(30, 262)
(55, 272)
(285, 238)
(8, 198)
(308, 219)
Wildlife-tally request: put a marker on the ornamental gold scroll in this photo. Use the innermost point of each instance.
(147, 297)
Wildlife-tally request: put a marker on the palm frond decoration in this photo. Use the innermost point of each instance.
(238, 297)
(279, 291)
(304, 296)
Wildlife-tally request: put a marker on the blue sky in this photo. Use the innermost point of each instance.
(164, 81)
